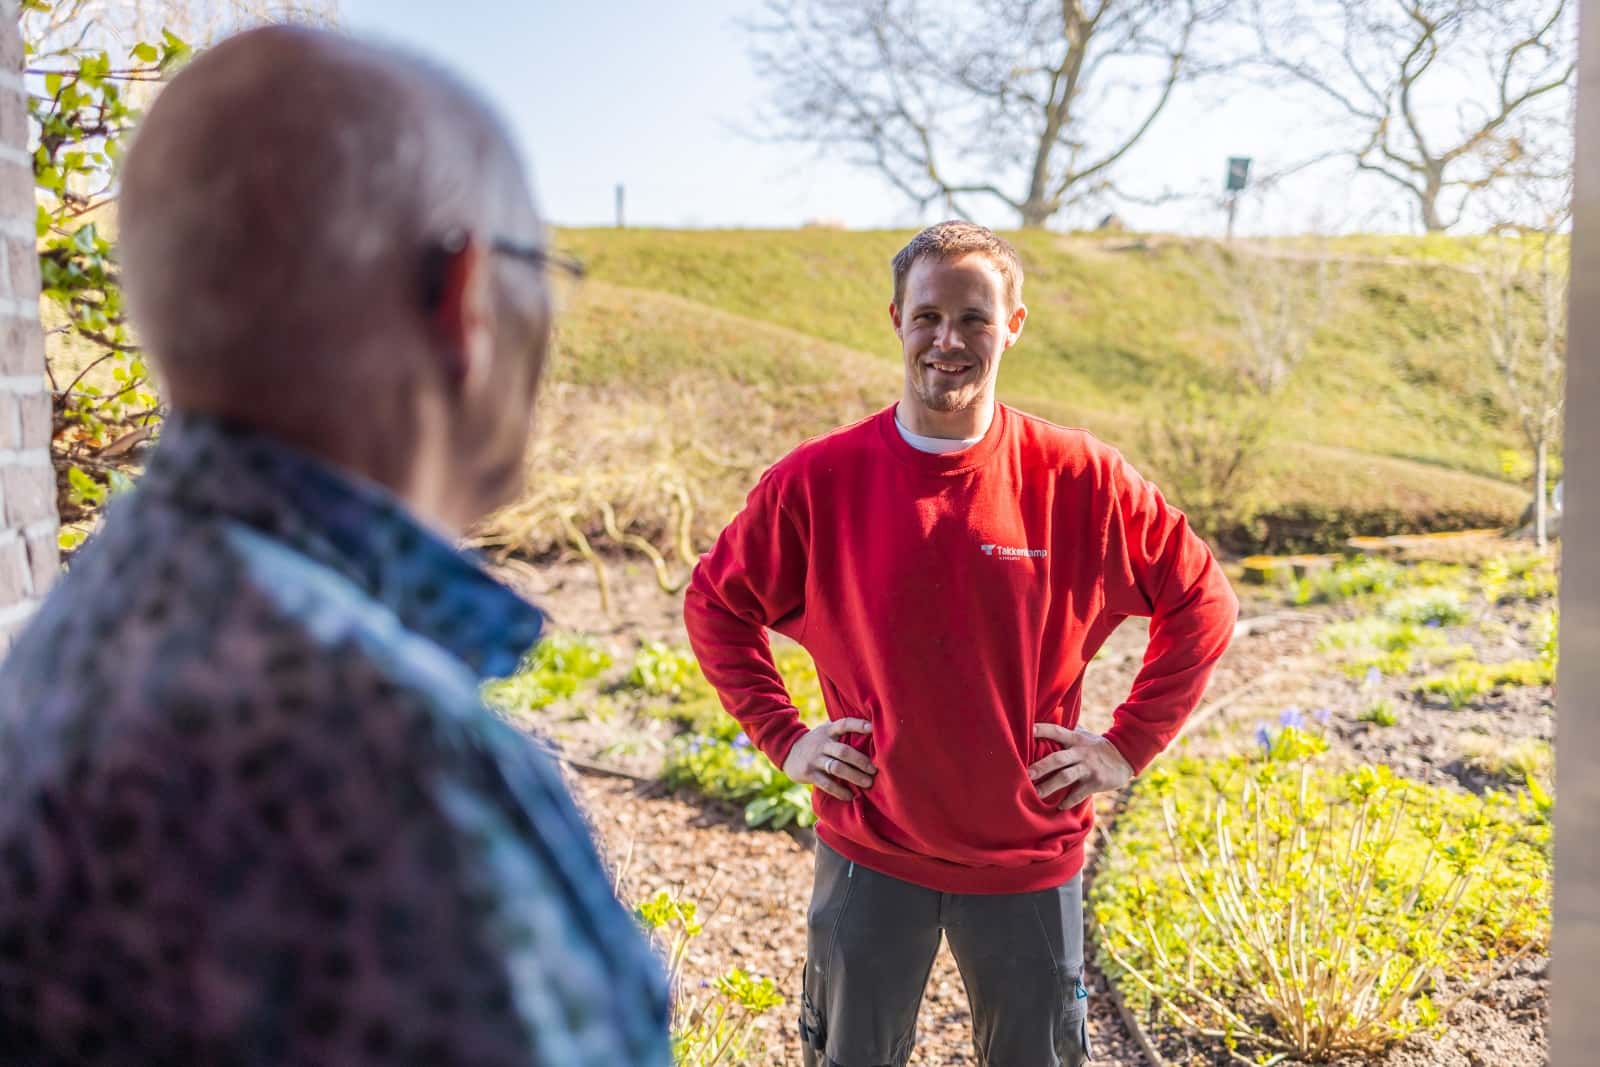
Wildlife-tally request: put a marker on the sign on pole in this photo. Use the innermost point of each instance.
(1238, 173)
(1238, 178)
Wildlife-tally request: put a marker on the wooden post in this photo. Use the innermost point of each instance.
(1574, 1022)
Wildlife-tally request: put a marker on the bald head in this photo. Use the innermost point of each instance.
(278, 205)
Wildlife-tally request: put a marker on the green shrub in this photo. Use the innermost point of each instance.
(1287, 909)
(556, 669)
(1437, 606)
(732, 770)
(712, 1028)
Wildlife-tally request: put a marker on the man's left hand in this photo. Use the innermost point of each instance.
(1087, 764)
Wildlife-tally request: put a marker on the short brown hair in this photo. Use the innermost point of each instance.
(953, 239)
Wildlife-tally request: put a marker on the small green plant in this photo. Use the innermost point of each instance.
(1493, 578)
(714, 1028)
(717, 1030)
(1462, 685)
(683, 695)
(555, 670)
(1547, 632)
(1384, 634)
(1387, 664)
(1287, 910)
(1380, 713)
(672, 922)
(732, 770)
(1524, 761)
(1428, 606)
(1360, 576)
(1525, 577)
(1469, 681)
(661, 670)
(1540, 585)
(800, 678)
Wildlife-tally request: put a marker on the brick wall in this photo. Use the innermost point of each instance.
(29, 558)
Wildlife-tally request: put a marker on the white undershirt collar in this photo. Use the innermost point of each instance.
(936, 445)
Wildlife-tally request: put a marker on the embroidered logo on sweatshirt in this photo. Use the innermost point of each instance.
(1008, 552)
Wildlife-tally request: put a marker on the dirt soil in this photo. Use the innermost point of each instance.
(757, 884)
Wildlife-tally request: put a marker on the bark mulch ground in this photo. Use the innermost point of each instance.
(756, 884)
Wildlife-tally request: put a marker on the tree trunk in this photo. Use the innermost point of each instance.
(1430, 211)
(1540, 473)
(1428, 195)
(1034, 214)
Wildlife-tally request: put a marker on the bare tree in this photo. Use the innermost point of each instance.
(1278, 308)
(1445, 98)
(74, 25)
(1033, 103)
(1208, 441)
(1523, 273)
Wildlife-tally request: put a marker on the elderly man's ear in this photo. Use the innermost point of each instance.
(463, 313)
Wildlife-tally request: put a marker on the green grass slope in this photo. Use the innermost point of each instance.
(694, 358)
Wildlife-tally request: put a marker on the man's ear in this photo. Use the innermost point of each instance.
(463, 312)
(894, 317)
(1014, 324)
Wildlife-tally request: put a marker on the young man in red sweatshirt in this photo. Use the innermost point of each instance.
(952, 565)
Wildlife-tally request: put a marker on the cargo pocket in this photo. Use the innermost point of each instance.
(1072, 1044)
(813, 1027)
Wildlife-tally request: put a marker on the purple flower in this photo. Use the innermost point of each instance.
(741, 741)
(1322, 715)
(1291, 716)
(745, 759)
(1264, 737)
(1373, 677)
(1434, 623)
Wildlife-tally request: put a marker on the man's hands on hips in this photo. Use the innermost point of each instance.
(830, 765)
(1087, 764)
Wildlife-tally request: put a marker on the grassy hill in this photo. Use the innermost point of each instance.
(694, 358)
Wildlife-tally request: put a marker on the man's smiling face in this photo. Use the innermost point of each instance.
(954, 323)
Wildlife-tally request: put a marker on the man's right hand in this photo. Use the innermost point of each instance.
(830, 765)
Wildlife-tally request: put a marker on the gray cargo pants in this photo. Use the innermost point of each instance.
(870, 944)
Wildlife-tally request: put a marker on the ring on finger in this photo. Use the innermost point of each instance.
(830, 766)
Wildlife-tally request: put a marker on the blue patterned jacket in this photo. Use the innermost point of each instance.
(254, 811)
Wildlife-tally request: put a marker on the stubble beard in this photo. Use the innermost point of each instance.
(949, 399)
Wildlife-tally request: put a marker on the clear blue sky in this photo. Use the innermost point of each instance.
(652, 95)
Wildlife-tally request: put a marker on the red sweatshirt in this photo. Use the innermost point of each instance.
(954, 601)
